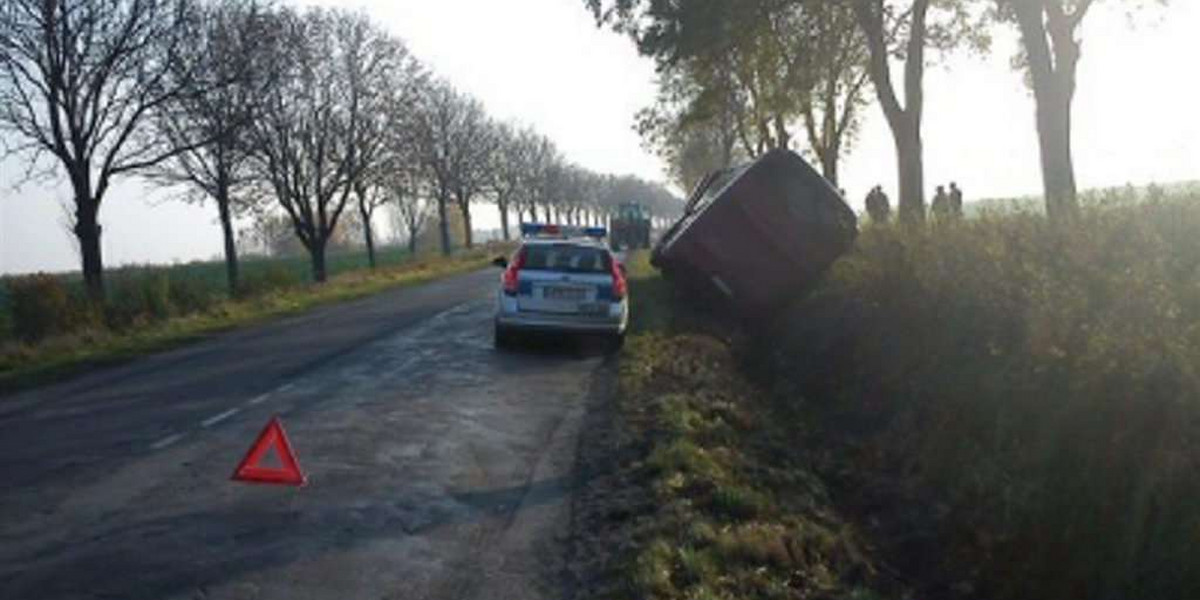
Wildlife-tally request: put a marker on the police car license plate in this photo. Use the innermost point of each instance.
(563, 293)
(593, 308)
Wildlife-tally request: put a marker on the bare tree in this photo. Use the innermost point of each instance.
(545, 171)
(510, 165)
(437, 120)
(78, 81)
(210, 129)
(538, 153)
(475, 143)
(405, 193)
(382, 82)
(303, 138)
(454, 142)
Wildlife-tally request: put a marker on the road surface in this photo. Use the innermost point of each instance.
(437, 467)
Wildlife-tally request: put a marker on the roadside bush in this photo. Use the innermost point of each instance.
(137, 296)
(270, 277)
(41, 305)
(189, 295)
(1036, 387)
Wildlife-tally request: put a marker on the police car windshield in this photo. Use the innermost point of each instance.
(567, 258)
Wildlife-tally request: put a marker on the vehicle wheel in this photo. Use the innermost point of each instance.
(615, 342)
(503, 339)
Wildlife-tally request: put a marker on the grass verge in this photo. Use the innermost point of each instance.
(732, 512)
(24, 365)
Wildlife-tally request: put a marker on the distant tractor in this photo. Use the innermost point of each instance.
(630, 227)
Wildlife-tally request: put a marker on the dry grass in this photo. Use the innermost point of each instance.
(735, 516)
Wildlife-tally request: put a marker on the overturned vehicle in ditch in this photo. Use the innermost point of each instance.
(755, 236)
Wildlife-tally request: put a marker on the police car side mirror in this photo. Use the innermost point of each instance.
(500, 261)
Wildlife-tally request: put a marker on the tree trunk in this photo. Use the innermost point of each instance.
(317, 252)
(368, 235)
(443, 224)
(504, 218)
(231, 258)
(904, 121)
(1052, 64)
(364, 214)
(911, 168)
(1054, 142)
(87, 231)
(829, 166)
(466, 215)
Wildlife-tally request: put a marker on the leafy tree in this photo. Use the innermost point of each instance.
(836, 76)
(721, 56)
(744, 72)
(79, 80)
(694, 130)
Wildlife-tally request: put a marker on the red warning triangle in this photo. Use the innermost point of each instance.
(250, 468)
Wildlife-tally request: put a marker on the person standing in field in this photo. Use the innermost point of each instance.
(940, 208)
(878, 207)
(956, 201)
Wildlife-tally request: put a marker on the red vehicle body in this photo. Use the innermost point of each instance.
(759, 234)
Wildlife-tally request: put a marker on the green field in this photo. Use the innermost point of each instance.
(50, 330)
(210, 274)
(206, 279)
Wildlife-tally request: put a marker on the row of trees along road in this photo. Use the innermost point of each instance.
(736, 76)
(270, 111)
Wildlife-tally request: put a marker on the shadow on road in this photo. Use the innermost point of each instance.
(580, 347)
(243, 538)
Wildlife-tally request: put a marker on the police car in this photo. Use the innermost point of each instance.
(562, 280)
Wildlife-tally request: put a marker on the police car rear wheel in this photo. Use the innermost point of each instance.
(615, 342)
(503, 339)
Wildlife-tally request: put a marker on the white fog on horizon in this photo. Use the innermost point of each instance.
(544, 63)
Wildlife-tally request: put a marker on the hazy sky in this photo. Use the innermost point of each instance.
(543, 62)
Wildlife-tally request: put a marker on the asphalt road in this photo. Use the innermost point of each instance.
(437, 467)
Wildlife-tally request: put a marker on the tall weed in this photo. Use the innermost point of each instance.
(41, 305)
(137, 296)
(1038, 382)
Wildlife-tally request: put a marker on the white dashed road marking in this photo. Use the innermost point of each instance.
(213, 420)
(167, 441)
(259, 399)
